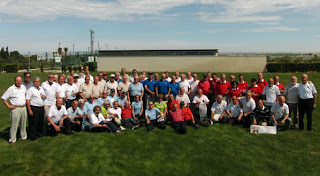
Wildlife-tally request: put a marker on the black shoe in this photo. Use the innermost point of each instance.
(69, 133)
(34, 139)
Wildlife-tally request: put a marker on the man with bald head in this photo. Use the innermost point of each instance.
(17, 97)
(292, 97)
(280, 113)
(261, 82)
(307, 101)
(178, 79)
(248, 105)
(270, 93)
(189, 77)
(185, 84)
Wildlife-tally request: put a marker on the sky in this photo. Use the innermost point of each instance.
(228, 25)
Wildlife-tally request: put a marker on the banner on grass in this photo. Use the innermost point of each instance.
(257, 129)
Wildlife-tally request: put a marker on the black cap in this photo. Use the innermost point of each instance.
(182, 102)
(151, 73)
(253, 80)
(112, 90)
(205, 75)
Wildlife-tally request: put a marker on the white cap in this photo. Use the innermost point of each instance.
(112, 75)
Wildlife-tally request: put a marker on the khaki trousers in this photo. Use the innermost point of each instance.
(18, 115)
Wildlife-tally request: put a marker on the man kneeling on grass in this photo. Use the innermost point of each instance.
(152, 119)
(178, 121)
(58, 117)
(127, 117)
(100, 123)
(280, 113)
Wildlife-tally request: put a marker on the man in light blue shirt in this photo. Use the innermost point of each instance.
(122, 98)
(75, 115)
(90, 105)
(151, 116)
(112, 97)
(136, 88)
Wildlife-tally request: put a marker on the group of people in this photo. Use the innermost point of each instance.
(117, 102)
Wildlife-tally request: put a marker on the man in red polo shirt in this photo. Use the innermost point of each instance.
(242, 85)
(222, 87)
(261, 82)
(189, 119)
(127, 118)
(178, 121)
(277, 83)
(255, 90)
(205, 85)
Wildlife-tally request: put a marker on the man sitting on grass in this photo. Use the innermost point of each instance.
(127, 117)
(100, 123)
(234, 111)
(219, 110)
(178, 121)
(280, 113)
(58, 117)
(152, 118)
(261, 114)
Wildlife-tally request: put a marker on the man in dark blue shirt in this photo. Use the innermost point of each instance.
(175, 87)
(149, 93)
(163, 87)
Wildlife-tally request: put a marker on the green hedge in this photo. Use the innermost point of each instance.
(11, 68)
(293, 67)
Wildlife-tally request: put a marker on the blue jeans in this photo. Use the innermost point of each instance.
(286, 123)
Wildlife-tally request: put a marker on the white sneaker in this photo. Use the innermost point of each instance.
(122, 128)
(135, 127)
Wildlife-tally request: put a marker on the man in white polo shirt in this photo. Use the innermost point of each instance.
(35, 102)
(58, 117)
(183, 97)
(112, 84)
(292, 97)
(71, 91)
(247, 104)
(17, 97)
(218, 110)
(270, 93)
(189, 77)
(50, 89)
(280, 113)
(234, 111)
(185, 84)
(307, 101)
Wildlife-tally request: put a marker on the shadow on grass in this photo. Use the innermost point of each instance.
(5, 134)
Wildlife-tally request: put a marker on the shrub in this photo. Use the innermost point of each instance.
(293, 67)
(11, 68)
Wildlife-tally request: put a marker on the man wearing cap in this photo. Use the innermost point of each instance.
(86, 89)
(50, 89)
(307, 101)
(58, 117)
(27, 83)
(149, 92)
(163, 87)
(17, 97)
(112, 84)
(292, 97)
(178, 124)
(124, 85)
(154, 117)
(122, 98)
(134, 73)
(105, 77)
(270, 93)
(255, 90)
(35, 102)
(261, 114)
(76, 81)
(280, 113)
(112, 97)
(136, 88)
(205, 85)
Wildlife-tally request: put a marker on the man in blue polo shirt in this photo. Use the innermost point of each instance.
(163, 87)
(149, 94)
(174, 86)
(136, 88)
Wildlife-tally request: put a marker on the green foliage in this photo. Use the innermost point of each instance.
(292, 67)
(92, 66)
(41, 68)
(65, 51)
(11, 68)
(63, 68)
(4, 54)
(75, 68)
(69, 68)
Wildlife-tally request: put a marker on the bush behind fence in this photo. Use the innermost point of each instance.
(293, 67)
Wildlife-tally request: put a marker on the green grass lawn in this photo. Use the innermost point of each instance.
(216, 150)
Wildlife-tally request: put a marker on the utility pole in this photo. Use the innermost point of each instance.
(107, 46)
(29, 62)
(73, 49)
(98, 45)
(92, 40)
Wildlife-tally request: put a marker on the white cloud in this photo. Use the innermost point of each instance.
(132, 10)
(273, 29)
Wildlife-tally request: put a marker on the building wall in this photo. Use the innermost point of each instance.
(184, 64)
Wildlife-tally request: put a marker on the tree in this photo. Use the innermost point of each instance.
(3, 53)
(7, 52)
(60, 51)
(65, 51)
